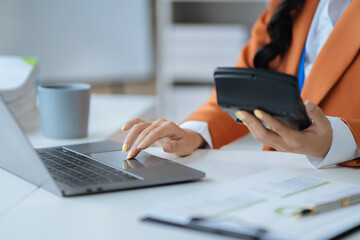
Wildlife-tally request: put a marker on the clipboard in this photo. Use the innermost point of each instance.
(212, 227)
(261, 213)
(256, 234)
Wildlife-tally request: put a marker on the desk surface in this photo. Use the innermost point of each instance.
(38, 214)
(116, 215)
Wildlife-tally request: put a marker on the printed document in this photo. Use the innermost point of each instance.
(268, 201)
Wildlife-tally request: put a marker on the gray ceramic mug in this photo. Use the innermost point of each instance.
(64, 110)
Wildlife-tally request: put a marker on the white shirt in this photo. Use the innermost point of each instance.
(343, 146)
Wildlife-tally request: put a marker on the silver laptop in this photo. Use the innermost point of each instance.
(85, 168)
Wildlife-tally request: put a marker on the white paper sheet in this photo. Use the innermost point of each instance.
(268, 200)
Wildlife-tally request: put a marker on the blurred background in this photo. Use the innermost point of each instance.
(166, 48)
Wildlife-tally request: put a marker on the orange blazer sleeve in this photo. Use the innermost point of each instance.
(223, 129)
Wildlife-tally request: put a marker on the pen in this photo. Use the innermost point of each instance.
(328, 206)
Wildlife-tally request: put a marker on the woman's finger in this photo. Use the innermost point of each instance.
(276, 125)
(133, 134)
(166, 130)
(131, 123)
(258, 130)
(143, 134)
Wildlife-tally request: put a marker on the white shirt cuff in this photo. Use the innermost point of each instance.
(343, 147)
(201, 128)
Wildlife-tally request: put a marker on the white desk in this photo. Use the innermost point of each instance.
(116, 215)
(42, 215)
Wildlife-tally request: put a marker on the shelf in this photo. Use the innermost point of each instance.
(189, 56)
(221, 12)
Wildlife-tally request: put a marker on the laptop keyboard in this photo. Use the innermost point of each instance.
(76, 170)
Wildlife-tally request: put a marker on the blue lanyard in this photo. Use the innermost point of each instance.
(301, 72)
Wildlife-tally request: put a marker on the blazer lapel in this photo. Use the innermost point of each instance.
(335, 56)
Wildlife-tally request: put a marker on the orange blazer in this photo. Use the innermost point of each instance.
(333, 83)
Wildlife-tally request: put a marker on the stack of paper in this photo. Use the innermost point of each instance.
(199, 48)
(18, 77)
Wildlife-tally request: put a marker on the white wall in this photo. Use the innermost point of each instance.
(85, 40)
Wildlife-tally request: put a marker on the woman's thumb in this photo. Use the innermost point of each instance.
(167, 147)
(316, 114)
(176, 146)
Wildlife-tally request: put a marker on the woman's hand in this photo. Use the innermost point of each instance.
(314, 140)
(170, 136)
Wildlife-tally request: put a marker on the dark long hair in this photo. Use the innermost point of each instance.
(280, 32)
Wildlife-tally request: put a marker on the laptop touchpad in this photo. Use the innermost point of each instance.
(117, 159)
